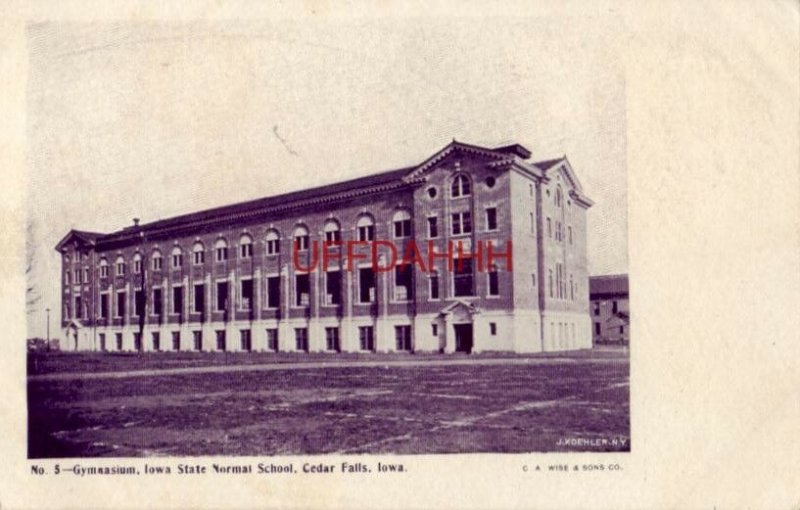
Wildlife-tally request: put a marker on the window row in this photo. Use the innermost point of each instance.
(561, 289)
(559, 231)
(462, 285)
(332, 341)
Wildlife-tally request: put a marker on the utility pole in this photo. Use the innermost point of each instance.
(48, 329)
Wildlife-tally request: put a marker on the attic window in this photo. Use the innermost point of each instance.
(432, 192)
(490, 181)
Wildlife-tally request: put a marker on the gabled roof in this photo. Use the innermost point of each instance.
(80, 236)
(387, 181)
(608, 284)
(546, 164)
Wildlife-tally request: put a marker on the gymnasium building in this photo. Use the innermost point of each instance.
(474, 249)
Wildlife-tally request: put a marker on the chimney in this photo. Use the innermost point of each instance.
(136, 222)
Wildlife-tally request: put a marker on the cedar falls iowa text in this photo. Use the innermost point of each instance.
(474, 249)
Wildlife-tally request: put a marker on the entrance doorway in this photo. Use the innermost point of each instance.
(463, 337)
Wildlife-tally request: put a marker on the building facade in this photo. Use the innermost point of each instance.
(474, 249)
(610, 309)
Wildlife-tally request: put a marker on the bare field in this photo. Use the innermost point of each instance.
(338, 409)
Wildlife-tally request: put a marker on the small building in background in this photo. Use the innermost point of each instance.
(610, 309)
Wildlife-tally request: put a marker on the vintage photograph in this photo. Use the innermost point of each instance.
(284, 238)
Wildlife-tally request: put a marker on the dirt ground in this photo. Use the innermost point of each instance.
(575, 405)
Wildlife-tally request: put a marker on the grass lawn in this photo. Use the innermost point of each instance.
(435, 409)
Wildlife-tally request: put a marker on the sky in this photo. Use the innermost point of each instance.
(153, 120)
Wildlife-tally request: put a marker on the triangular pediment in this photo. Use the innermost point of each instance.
(460, 306)
(77, 238)
(455, 148)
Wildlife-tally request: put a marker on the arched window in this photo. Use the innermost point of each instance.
(245, 246)
(365, 227)
(221, 250)
(103, 268)
(120, 266)
(177, 257)
(300, 238)
(558, 197)
(198, 253)
(273, 242)
(157, 261)
(460, 186)
(402, 224)
(333, 232)
(137, 263)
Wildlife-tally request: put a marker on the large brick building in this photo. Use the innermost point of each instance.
(250, 276)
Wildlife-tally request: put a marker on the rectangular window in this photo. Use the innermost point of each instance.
(103, 271)
(433, 227)
(66, 311)
(272, 339)
(530, 189)
(302, 288)
(569, 233)
(301, 242)
(246, 250)
(433, 285)
(85, 275)
(157, 302)
(435, 329)
(614, 306)
(461, 223)
(245, 342)
(156, 337)
(120, 268)
(222, 296)
(333, 236)
(221, 343)
(77, 278)
(177, 260)
(120, 311)
(273, 291)
(366, 285)
(463, 277)
(118, 337)
(199, 298)
(158, 263)
(366, 338)
(596, 328)
(491, 218)
(197, 340)
(137, 266)
(78, 307)
(102, 342)
(550, 281)
(138, 302)
(402, 228)
(273, 246)
(67, 277)
(533, 280)
(533, 223)
(104, 306)
(176, 340)
(366, 233)
(301, 339)
(137, 341)
(402, 282)
(246, 289)
(177, 300)
(494, 283)
(402, 336)
(221, 253)
(493, 328)
(597, 308)
(199, 257)
(333, 287)
(332, 339)
(549, 228)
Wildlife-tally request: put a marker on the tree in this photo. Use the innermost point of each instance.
(32, 296)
